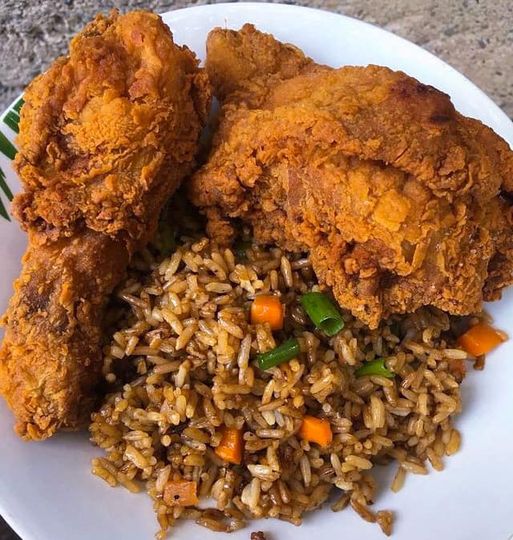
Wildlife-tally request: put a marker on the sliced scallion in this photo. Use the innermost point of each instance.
(240, 248)
(374, 367)
(322, 312)
(165, 239)
(283, 353)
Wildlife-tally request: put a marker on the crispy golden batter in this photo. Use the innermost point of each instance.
(106, 135)
(396, 196)
(50, 357)
(108, 131)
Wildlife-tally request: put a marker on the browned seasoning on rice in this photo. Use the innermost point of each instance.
(186, 341)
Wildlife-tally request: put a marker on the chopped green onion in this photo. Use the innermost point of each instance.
(165, 238)
(240, 249)
(395, 328)
(375, 367)
(322, 312)
(285, 352)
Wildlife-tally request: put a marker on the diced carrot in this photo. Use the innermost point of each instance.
(180, 493)
(230, 447)
(317, 430)
(267, 309)
(480, 339)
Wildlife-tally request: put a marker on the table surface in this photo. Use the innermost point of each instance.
(474, 36)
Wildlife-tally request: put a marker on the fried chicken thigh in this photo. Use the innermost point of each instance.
(399, 200)
(106, 136)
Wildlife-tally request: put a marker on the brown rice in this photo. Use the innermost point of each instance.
(182, 364)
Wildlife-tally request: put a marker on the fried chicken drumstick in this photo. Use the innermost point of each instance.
(106, 136)
(399, 200)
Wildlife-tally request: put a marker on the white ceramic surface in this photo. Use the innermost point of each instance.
(46, 490)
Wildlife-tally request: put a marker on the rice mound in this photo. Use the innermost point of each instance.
(181, 366)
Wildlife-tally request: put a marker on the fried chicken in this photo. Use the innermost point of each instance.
(106, 136)
(399, 200)
(50, 357)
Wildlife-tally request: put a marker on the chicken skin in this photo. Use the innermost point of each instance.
(399, 200)
(49, 360)
(106, 136)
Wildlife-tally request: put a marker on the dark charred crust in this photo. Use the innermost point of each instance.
(439, 118)
(34, 300)
(408, 88)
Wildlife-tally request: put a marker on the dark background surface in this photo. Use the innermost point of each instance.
(476, 37)
(5, 531)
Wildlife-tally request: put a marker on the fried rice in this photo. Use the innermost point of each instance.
(181, 367)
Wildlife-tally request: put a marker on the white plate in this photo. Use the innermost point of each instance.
(46, 489)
